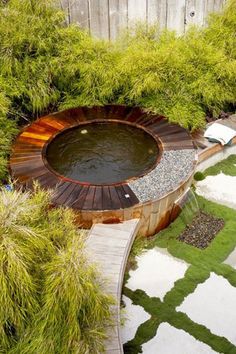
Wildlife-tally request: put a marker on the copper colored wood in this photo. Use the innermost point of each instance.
(93, 203)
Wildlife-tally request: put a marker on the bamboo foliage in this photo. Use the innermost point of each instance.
(51, 298)
(46, 65)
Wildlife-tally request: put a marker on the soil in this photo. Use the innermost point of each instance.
(202, 230)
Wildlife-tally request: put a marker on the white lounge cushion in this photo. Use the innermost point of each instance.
(220, 133)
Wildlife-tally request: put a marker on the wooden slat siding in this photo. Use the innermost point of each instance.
(52, 122)
(134, 115)
(74, 195)
(106, 18)
(143, 119)
(48, 180)
(99, 19)
(35, 142)
(114, 16)
(137, 11)
(24, 158)
(25, 166)
(133, 198)
(64, 195)
(88, 203)
(218, 5)
(62, 199)
(198, 9)
(36, 136)
(157, 12)
(79, 13)
(39, 129)
(64, 120)
(59, 192)
(78, 204)
(116, 204)
(117, 112)
(177, 146)
(97, 200)
(125, 202)
(152, 12)
(49, 128)
(176, 15)
(76, 114)
(123, 15)
(106, 198)
(32, 174)
(208, 9)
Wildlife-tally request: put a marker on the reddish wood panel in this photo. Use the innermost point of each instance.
(27, 162)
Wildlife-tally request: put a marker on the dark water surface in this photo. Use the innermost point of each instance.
(102, 153)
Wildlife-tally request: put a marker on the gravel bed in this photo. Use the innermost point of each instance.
(174, 168)
(202, 230)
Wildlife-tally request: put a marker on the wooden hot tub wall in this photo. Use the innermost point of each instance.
(94, 203)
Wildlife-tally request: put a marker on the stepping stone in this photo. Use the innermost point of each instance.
(170, 340)
(212, 304)
(231, 260)
(134, 316)
(156, 272)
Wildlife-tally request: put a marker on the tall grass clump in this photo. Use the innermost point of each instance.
(7, 131)
(51, 298)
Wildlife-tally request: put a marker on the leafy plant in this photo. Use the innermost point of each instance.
(47, 64)
(51, 298)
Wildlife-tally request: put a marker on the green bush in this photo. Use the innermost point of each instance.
(51, 299)
(7, 131)
(46, 65)
(199, 176)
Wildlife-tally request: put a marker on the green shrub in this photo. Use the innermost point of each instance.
(199, 176)
(7, 131)
(51, 299)
(46, 65)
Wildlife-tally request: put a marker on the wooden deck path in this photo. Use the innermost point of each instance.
(109, 246)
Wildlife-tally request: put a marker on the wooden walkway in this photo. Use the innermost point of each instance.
(109, 246)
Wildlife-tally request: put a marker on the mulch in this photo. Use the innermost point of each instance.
(202, 230)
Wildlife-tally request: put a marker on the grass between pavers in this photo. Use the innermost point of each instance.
(202, 262)
(227, 166)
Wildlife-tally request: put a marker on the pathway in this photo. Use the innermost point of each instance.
(109, 245)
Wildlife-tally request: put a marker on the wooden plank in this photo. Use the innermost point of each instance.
(97, 201)
(99, 19)
(48, 180)
(114, 18)
(65, 6)
(59, 192)
(137, 11)
(132, 197)
(88, 203)
(195, 13)
(106, 198)
(176, 15)
(125, 202)
(157, 12)
(218, 4)
(116, 204)
(74, 195)
(78, 204)
(123, 15)
(79, 13)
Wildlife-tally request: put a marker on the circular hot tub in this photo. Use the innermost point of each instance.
(109, 164)
(103, 153)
